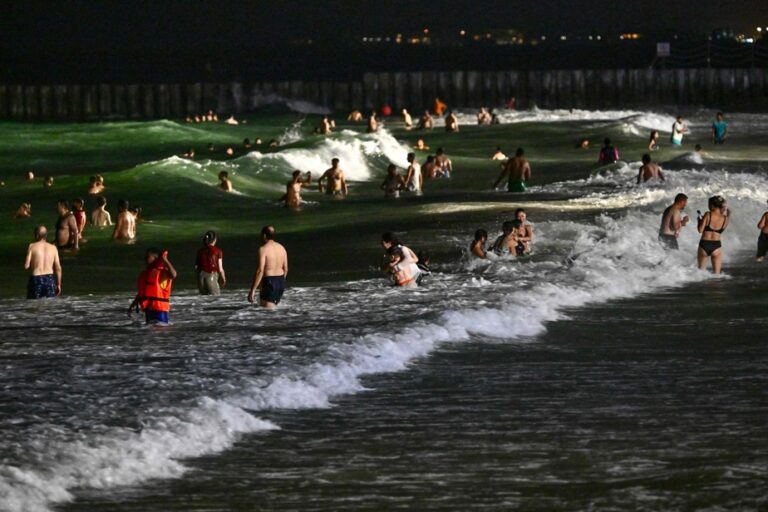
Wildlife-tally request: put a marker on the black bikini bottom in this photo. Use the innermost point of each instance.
(710, 246)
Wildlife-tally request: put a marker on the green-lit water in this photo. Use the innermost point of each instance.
(601, 374)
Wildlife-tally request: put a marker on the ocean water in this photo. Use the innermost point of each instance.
(601, 373)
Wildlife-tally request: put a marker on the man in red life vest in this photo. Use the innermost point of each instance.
(154, 288)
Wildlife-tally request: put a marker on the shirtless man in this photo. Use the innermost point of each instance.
(125, 229)
(518, 171)
(477, 247)
(225, 183)
(100, 216)
(336, 185)
(325, 126)
(393, 183)
(429, 169)
(443, 163)
(23, 212)
(43, 262)
(483, 117)
(451, 123)
(67, 234)
(414, 181)
(407, 120)
(649, 170)
(373, 124)
(672, 221)
(499, 155)
(272, 272)
(355, 116)
(525, 231)
(293, 189)
(426, 122)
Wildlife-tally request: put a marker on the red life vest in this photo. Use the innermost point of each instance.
(155, 288)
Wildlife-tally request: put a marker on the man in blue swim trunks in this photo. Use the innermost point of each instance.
(43, 261)
(719, 129)
(272, 272)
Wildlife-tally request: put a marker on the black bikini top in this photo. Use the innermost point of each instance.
(709, 228)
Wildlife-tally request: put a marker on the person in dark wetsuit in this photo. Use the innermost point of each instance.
(672, 221)
(711, 226)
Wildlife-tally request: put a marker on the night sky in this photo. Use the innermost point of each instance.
(71, 25)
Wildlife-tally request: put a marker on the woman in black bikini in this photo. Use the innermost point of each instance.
(711, 226)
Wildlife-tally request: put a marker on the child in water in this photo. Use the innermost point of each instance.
(402, 274)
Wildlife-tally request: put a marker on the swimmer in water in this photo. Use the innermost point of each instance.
(507, 243)
(336, 184)
(678, 130)
(583, 144)
(525, 232)
(100, 216)
(23, 212)
(270, 277)
(247, 143)
(355, 116)
(225, 183)
(414, 181)
(325, 127)
(48, 182)
(649, 170)
(79, 214)
(67, 234)
(439, 107)
(443, 163)
(672, 222)
(711, 226)
(293, 189)
(154, 288)
(762, 240)
(451, 123)
(125, 229)
(393, 183)
(407, 120)
(429, 169)
(420, 145)
(209, 266)
(518, 172)
(608, 153)
(389, 240)
(719, 129)
(653, 141)
(426, 122)
(189, 154)
(45, 269)
(402, 273)
(477, 247)
(373, 124)
(483, 117)
(95, 185)
(29, 176)
(498, 155)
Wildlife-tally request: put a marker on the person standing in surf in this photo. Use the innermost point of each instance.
(44, 266)
(336, 185)
(711, 226)
(678, 130)
(154, 288)
(525, 231)
(373, 124)
(762, 240)
(414, 181)
(272, 272)
(67, 235)
(649, 170)
(719, 129)
(477, 247)
(209, 266)
(389, 240)
(293, 189)
(672, 221)
(608, 154)
(443, 163)
(518, 172)
(393, 183)
(125, 228)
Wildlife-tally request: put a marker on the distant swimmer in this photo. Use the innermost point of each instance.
(719, 129)
(231, 120)
(678, 130)
(355, 116)
(393, 183)
(273, 143)
(272, 272)
(525, 230)
(649, 170)
(511, 104)
(429, 169)
(414, 181)
(230, 151)
(507, 243)
(499, 155)
(483, 117)
(711, 226)
(373, 124)
(426, 122)
(29, 176)
(407, 257)
(477, 247)
(154, 288)
(401, 272)
(209, 266)
(80, 218)
(439, 107)
(225, 183)
(96, 185)
(325, 127)
(608, 153)
(407, 120)
(211, 148)
(443, 163)
(24, 211)
(451, 123)
(125, 229)
(190, 153)
(100, 216)
(48, 182)
(762, 240)
(518, 172)
(293, 189)
(583, 144)
(67, 234)
(335, 184)
(653, 141)
(420, 145)
(44, 266)
(247, 143)
(672, 222)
